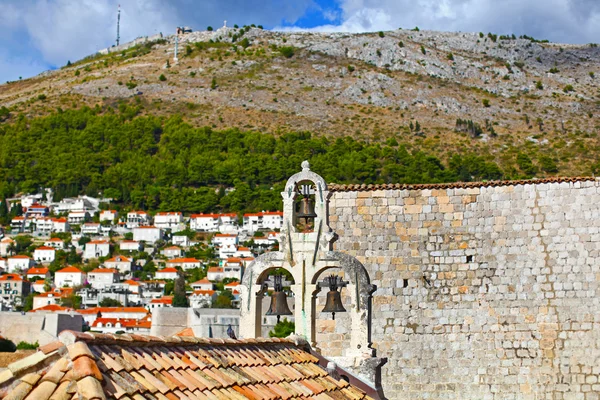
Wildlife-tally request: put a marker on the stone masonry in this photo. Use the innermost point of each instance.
(485, 291)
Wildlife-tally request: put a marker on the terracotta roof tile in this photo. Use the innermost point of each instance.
(99, 366)
(453, 185)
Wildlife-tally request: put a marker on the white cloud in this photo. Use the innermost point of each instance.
(567, 21)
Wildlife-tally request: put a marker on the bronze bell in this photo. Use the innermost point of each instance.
(279, 305)
(306, 209)
(334, 298)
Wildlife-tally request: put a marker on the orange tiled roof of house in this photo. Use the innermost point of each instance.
(132, 282)
(59, 292)
(55, 240)
(20, 256)
(51, 308)
(37, 271)
(70, 270)
(225, 235)
(232, 284)
(215, 269)
(201, 281)
(46, 248)
(118, 258)
(182, 260)
(168, 270)
(98, 242)
(162, 300)
(10, 277)
(333, 187)
(103, 271)
(125, 322)
(204, 292)
(186, 332)
(103, 310)
(98, 366)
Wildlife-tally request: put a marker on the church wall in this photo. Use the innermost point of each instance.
(483, 292)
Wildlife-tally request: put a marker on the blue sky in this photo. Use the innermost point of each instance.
(42, 34)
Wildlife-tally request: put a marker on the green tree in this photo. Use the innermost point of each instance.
(180, 299)
(108, 302)
(162, 78)
(223, 300)
(28, 302)
(287, 51)
(283, 329)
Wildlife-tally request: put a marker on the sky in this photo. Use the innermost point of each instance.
(38, 35)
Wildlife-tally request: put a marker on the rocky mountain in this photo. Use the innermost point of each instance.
(445, 93)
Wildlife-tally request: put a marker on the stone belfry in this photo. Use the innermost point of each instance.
(306, 252)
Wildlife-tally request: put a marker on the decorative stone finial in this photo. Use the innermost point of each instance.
(305, 165)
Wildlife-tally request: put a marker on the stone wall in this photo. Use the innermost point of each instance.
(37, 327)
(483, 292)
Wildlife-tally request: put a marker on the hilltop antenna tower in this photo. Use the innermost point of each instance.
(118, 23)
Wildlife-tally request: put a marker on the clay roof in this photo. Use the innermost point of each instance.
(225, 235)
(103, 310)
(204, 292)
(194, 216)
(103, 271)
(333, 187)
(132, 282)
(120, 259)
(169, 213)
(232, 284)
(162, 300)
(97, 366)
(19, 257)
(11, 277)
(167, 270)
(215, 269)
(146, 227)
(183, 260)
(62, 220)
(46, 248)
(37, 271)
(125, 322)
(97, 242)
(55, 240)
(186, 332)
(70, 270)
(201, 281)
(52, 308)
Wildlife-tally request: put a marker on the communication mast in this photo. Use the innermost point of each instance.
(118, 23)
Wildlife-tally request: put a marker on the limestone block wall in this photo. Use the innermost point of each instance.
(37, 327)
(483, 292)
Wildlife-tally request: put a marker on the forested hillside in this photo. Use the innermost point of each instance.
(164, 163)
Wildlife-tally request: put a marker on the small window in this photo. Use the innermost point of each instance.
(469, 258)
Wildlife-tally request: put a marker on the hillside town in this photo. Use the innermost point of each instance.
(116, 268)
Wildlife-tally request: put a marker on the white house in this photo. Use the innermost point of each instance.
(120, 263)
(130, 245)
(19, 263)
(96, 249)
(5, 245)
(3, 265)
(69, 276)
(263, 220)
(61, 225)
(231, 286)
(243, 252)
(19, 224)
(184, 263)
(228, 222)
(90, 228)
(42, 273)
(37, 210)
(148, 234)
(38, 285)
(172, 252)
(90, 314)
(227, 244)
(205, 222)
(44, 254)
(78, 217)
(43, 225)
(56, 243)
(100, 278)
(53, 297)
(233, 268)
(181, 240)
(129, 326)
(108, 215)
(215, 274)
(202, 284)
(165, 301)
(169, 220)
(202, 298)
(137, 218)
(223, 239)
(167, 273)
